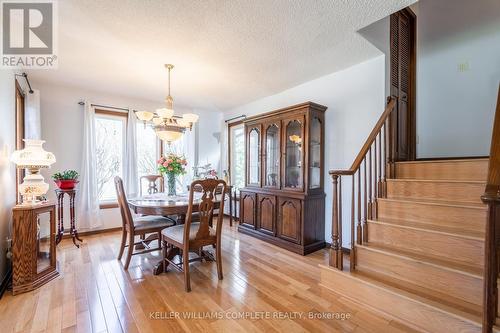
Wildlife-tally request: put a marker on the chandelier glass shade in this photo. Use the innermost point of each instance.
(168, 127)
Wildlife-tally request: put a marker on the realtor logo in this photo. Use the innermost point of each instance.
(28, 34)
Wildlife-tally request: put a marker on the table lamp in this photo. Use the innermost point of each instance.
(33, 158)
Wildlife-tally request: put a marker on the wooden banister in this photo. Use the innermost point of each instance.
(491, 197)
(369, 141)
(364, 171)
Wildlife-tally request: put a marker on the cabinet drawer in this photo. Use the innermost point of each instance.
(248, 209)
(266, 214)
(289, 219)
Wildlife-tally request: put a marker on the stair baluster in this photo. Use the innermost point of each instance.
(363, 195)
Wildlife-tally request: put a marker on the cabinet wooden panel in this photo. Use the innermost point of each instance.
(285, 148)
(33, 246)
(266, 213)
(289, 219)
(247, 209)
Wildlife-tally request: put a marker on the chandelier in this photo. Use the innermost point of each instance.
(168, 127)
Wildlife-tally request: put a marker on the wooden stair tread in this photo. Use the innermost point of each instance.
(471, 205)
(394, 289)
(447, 264)
(410, 255)
(415, 226)
(424, 293)
(432, 227)
(480, 159)
(465, 181)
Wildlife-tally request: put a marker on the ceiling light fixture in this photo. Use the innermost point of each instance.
(168, 127)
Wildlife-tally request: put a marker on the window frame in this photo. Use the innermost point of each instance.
(229, 145)
(20, 132)
(108, 204)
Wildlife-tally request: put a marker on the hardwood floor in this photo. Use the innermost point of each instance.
(95, 294)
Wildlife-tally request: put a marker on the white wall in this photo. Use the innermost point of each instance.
(455, 108)
(62, 128)
(7, 169)
(355, 100)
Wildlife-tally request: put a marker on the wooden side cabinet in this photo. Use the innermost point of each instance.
(33, 246)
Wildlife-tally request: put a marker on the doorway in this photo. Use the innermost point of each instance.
(403, 84)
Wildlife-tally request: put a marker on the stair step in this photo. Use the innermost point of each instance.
(470, 217)
(435, 227)
(411, 308)
(466, 169)
(440, 190)
(436, 279)
(466, 250)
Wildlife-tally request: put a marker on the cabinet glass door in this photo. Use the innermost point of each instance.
(254, 157)
(293, 140)
(315, 154)
(272, 151)
(43, 242)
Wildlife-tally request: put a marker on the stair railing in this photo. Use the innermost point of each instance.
(491, 197)
(368, 182)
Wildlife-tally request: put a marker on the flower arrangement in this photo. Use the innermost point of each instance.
(172, 164)
(212, 173)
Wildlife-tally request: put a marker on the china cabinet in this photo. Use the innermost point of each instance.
(283, 201)
(33, 246)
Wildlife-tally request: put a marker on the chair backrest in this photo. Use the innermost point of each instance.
(213, 191)
(155, 184)
(127, 220)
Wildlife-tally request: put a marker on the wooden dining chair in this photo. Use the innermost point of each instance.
(140, 226)
(193, 236)
(155, 184)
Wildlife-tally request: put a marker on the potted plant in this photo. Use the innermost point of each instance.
(172, 165)
(66, 180)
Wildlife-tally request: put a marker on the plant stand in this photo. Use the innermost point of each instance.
(60, 215)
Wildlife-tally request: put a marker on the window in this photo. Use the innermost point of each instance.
(237, 154)
(110, 130)
(181, 147)
(147, 152)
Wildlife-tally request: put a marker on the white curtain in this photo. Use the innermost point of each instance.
(88, 200)
(130, 172)
(32, 116)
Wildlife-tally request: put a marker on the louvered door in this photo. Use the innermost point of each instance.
(403, 85)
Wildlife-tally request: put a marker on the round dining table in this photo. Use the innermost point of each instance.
(163, 205)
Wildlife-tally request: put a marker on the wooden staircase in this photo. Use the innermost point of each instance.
(421, 260)
(424, 235)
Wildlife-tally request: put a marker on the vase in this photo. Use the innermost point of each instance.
(171, 184)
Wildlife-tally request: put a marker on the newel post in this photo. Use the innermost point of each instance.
(336, 247)
(490, 288)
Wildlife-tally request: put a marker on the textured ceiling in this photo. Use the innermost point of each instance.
(225, 53)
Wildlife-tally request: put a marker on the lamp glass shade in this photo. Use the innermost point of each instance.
(144, 115)
(33, 156)
(169, 136)
(165, 113)
(182, 122)
(190, 117)
(157, 120)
